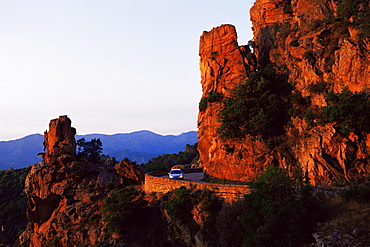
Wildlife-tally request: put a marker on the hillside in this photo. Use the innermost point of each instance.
(74, 202)
(297, 96)
(137, 146)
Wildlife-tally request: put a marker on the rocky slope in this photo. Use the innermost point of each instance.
(65, 193)
(73, 202)
(316, 49)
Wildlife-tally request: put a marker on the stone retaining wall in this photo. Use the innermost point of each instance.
(229, 192)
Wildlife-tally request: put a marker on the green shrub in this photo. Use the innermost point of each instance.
(91, 149)
(288, 8)
(214, 54)
(364, 25)
(228, 224)
(13, 203)
(359, 11)
(211, 97)
(229, 149)
(109, 185)
(136, 222)
(348, 8)
(330, 18)
(257, 107)
(329, 62)
(209, 201)
(350, 112)
(299, 104)
(310, 57)
(294, 43)
(167, 161)
(280, 210)
(309, 117)
(180, 204)
(318, 87)
(125, 212)
(356, 193)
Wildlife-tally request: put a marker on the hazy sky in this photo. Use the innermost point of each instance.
(112, 66)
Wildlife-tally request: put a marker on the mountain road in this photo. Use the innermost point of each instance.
(192, 177)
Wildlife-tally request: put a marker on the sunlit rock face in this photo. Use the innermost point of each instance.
(224, 65)
(65, 195)
(303, 45)
(59, 141)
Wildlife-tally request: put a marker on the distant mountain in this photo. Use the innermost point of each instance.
(139, 146)
(21, 152)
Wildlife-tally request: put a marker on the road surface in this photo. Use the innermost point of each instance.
(192, 177)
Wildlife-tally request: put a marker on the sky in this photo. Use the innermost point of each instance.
(112, 66)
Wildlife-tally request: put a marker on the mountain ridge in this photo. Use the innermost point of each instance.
(137, 146)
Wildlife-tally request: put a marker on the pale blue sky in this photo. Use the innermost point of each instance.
(112, 66)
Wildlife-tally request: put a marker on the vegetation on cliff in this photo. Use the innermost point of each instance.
(179, 206)
(90, 149)
(280, 210)
(349, 111)
(265, 103)
(211, 97)
(318, 48)
(13, 203)
(355, 13)
(257, 107)
(129, 215)
(167, 161)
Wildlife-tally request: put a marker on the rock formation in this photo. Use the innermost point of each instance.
(65, 195)
(223, 65)
(59, 141)
(303, 40)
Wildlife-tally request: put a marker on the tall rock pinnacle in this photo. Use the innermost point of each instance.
(59, 141)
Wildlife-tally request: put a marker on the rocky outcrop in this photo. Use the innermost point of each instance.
(129, 171)
(59, 141)
(224, 65)
(301, 38)
(65, 195)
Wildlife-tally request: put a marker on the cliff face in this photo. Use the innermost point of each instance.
(65, 194)
(310, 48)
(223, 66)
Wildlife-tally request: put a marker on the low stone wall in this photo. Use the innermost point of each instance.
(229, 192)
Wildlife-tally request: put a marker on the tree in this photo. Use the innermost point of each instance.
(179, 206)
(91, 149)
(350, 112)
(280, 210)
(257, 107)
(167, 161)
(126, 212)
(13, 204)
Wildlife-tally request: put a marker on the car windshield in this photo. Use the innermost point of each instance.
(176, 172)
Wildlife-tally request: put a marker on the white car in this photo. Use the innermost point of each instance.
(176, 174)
